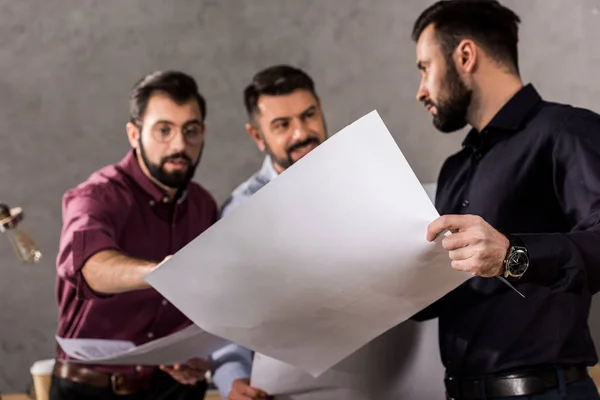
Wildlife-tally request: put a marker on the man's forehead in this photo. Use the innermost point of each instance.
(292, 103)
(427, 46)
(427, 38)
(162, 106)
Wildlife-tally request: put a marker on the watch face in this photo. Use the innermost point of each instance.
(518, 262)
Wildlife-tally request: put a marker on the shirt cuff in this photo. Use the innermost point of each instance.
(549, 254)
(228, 373)
(229, 364)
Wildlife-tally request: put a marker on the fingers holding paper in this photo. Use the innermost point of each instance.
(474, 245)
(190, 373)
(241, 390)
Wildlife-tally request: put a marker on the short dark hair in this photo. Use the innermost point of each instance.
(177, 85)
(276, 80)
(487, 22)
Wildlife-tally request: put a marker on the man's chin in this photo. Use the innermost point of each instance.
(174, 180)
(176, 184)
(448, 127)
(295, 158)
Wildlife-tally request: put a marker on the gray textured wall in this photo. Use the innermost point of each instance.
(66, 67)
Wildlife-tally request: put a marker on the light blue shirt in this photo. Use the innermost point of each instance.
(234, 361)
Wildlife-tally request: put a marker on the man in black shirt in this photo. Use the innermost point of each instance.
(521, 201)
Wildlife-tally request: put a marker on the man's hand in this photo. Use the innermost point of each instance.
(190, 373)
(474, 245)
(241, 390)
(164, 260)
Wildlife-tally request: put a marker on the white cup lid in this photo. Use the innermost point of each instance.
(42, 367)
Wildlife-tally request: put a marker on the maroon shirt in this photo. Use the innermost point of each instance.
(120, 208)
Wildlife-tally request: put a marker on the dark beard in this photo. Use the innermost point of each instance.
(452, 110)
(175, 180)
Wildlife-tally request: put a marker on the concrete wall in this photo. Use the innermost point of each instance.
(66, 67)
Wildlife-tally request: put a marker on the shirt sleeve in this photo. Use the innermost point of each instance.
(89, 227)
(230, 204)
(229, 364)
(232, 362)
(576, 178)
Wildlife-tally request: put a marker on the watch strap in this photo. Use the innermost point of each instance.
(515, 241)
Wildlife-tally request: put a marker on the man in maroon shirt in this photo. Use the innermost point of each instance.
(117, 227)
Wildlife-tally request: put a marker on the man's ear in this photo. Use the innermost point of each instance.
(466, 56)
(133, 135)
(255, 135)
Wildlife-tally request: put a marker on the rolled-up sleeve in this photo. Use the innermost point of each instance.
(89, 226)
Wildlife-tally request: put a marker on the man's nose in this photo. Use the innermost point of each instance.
(422, 93)
(300, 131)
(177, 143)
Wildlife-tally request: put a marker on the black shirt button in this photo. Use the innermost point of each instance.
(465, 203)
(478, 156)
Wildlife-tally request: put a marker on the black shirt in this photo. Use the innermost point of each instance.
(534, 172)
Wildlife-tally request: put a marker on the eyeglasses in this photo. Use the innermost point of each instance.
(164, 132)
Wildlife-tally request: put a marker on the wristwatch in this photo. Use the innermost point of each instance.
(517, 258)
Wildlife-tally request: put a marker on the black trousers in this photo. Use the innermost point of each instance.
(162, 388)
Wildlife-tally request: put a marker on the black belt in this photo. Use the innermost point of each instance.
(522, 383)
(119, 384)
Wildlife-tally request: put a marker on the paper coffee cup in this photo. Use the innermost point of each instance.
(41, 371)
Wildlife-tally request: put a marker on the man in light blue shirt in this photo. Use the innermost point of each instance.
(286, 122)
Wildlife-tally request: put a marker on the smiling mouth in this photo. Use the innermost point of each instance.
(304, 149)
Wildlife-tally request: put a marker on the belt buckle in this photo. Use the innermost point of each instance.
(116, 384)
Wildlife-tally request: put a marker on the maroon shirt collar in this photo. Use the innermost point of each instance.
(130, 166)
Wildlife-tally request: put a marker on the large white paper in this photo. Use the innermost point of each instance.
(87, 349)
(172, 349)
(323, 259)
(403, 363)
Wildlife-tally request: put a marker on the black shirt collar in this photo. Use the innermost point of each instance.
(511, 116)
